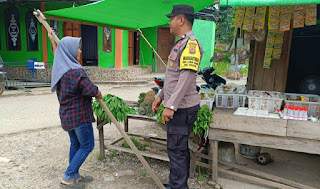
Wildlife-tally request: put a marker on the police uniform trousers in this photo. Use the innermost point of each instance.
(178, 131)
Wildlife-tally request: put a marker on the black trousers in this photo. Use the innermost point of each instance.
(178, 131)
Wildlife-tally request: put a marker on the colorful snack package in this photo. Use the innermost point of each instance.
(250, 10)
(298, 23)
(259, 24)
(298, 14)
(285, 17)
(273, 24)
(249, 17)
(279, 34)
(278, 43)
(285, 26)
(275, 9)
(261, 10)
(276, 54)
(285, 9)
(237, 23)
(247, 25)
(304, 99)
(298, 7)
(271, 33)
(260, 16)
(311, 12)
(266, 62)
(310, 21)
(274, 16)
(270, 42)
(311, 6)
(268, 52)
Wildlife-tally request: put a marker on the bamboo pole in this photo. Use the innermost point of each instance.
(152, 47)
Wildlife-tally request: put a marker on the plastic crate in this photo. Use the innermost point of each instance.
(313, 107)
(208, 103)
(206, 94)
(230, 100)
(271, 104)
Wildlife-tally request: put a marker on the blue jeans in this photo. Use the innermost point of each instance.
(82, 143)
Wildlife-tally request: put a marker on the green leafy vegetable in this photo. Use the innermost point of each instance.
(117, 107)
(159, 114)
(204, 118)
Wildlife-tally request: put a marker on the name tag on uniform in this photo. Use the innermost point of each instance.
(190, 57)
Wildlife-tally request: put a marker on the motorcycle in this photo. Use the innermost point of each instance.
(213, 80)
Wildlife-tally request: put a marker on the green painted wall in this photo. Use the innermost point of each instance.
(205, 32)
(145, 50)
(125, 49)
(23, 54)
(106, 59)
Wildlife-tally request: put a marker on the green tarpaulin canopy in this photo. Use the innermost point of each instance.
(131, 14)
(267, 2)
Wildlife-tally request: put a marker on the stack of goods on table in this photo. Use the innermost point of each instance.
(206, 97)
(301, 107)
(230, 96)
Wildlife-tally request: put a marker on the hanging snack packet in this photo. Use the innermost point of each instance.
(298, 23)
(298, 7)
(266, 63)
(285, 26)
(310, 21)
(273, 24)
(278, 43)
(276, 54)
(285, 9)
(270, 41)
(268, 52)
(247, 25)
(271, 33)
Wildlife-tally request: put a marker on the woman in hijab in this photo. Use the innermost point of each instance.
(75, 91)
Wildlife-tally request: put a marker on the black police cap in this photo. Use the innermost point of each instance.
(181, 9)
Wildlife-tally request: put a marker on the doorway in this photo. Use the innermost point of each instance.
(133, 48)
(89, 45)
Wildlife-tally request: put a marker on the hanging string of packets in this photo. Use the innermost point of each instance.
(279, 21)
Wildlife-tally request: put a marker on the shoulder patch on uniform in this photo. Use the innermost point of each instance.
(190, 57)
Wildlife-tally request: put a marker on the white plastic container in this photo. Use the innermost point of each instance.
(259, 100)
(230, 100)
(313, 107)
(208, 103)
(206, 94)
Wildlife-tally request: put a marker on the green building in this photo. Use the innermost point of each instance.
(22, 38)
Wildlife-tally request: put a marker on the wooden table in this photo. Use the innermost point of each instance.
(292, 135)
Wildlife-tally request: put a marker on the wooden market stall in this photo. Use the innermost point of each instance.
(291, 135)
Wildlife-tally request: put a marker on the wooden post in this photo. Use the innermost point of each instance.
(101, 139)
(126, 125)
(214, 150)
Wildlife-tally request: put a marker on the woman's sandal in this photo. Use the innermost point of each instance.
(86, 179)
(76, 184)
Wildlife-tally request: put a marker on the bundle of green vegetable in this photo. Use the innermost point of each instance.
(141, 98)
(117, 107)
(159, 114)
(204, 118)
(201, 126)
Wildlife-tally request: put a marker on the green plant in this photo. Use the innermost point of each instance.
(143, 174)
(221, 68)
(99, 157)
(159, 114)
(117, 107)
(112, 154)
(146, 109)
(202, 174)
(141, 98)
(140, 146)
(204, 118)
(122, 161)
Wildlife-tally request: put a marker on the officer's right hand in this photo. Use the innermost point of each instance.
(156, 104)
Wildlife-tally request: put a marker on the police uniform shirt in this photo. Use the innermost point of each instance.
(179, 89)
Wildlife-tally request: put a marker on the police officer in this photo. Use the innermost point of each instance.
(179, 94)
